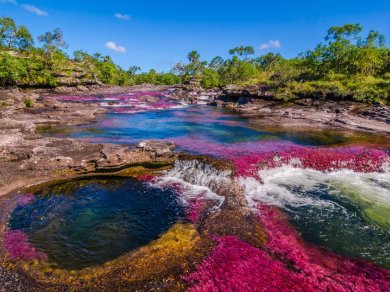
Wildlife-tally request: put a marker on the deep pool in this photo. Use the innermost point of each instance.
(82, 223)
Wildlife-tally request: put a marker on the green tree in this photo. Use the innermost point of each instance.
(14, 37)
(210, 78)
(242, 51)
(217, 63)
(52, 42)
(195, 66)
(346, 52)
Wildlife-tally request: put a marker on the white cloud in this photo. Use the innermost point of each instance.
(35, 10)
(122, 16)
(113, 46)
(9, 1)
(271, 44)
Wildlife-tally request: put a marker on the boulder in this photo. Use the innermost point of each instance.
(148, 98)
(158, 148)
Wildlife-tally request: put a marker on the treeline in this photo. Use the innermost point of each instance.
(346, 65)
(24, 64)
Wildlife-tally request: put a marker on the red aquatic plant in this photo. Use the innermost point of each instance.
(147, 177)
(322, 159)
(285, 264)
(322, 269)
(194, 208)
(18, 247)
(248, 157)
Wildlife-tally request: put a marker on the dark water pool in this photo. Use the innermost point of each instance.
(83, 223)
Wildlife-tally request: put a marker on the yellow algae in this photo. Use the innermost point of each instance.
(163, 260)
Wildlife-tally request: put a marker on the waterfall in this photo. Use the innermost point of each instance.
(196, 180)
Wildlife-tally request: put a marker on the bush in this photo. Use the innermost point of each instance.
(210, 78)
(28, 102)
(12, 69)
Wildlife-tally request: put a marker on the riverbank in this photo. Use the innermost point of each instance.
(258, 104)
(27, 157)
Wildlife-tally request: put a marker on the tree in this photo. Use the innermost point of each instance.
(193, 57)
(210, 78)
(12, 36)
(216, 63)
(24, 40)
(180, 69)
(267, 61)
(52, 42)
(346, 52)
(243, 52)
(195, 66)
(133, 70)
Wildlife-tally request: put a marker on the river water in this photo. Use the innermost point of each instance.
(334, 186)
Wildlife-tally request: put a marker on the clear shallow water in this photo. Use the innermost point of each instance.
(347, 212)
(84, 223)
(201, 123)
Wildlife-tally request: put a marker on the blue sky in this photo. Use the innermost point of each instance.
(158, 34)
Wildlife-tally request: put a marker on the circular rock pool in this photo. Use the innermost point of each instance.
(86, 222)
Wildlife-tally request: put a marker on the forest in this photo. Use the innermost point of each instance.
(348, 64)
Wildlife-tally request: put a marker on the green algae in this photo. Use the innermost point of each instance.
(370, 206)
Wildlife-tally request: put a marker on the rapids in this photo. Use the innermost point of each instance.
(322, 197)
(333, 185)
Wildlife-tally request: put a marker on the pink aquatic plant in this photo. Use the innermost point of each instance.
(322, 159)
(234, 150)
(321, 268)
(194, 208)
(286, 264)
(125, 103)
(19, 248)
(147, 177)
(248, 157)
(25, 199)
(234, 265)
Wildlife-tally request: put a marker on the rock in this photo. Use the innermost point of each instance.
(159, 148)
(24, 126)
(148, 98)
(82, 88)
(244, 100)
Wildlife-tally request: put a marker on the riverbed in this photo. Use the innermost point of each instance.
(307, 208)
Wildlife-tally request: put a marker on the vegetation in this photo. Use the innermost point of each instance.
(28, 102)
(23, 64)
(347, 65)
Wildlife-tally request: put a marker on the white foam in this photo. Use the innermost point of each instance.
(275, 188)
(196, 179)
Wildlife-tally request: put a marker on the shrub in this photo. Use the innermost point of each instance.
(28, 102)
(12, 69)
